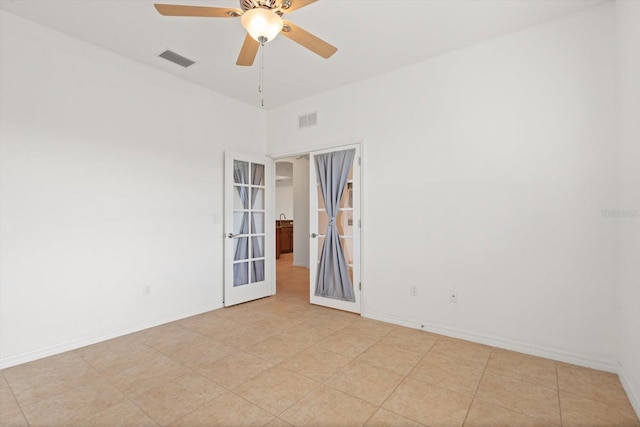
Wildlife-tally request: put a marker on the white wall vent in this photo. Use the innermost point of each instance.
(176, 59)
(307, 120)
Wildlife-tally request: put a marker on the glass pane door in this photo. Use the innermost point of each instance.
(249, 225)
(246, 212)
(348, 227)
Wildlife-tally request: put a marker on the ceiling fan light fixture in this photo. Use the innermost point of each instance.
(262, 24)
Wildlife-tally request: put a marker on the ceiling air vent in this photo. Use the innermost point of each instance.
(307, 120)
(176, 59)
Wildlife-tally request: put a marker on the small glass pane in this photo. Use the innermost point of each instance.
(257, 174)
(240, 197)
(257, 271)
(240, 274)
(257, 198)
(240, 172)
(257, 223)
(240, 223)
(347, 196)
(323, 222)
(320, 199)
(240, 248)
(345, 223)
(347, 248)
(257, 247)
(320, 245)
(339, 222)
(351, 275)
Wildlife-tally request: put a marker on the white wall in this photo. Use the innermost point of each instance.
(628, 40)
(301, 212)
(112, 178)
(284, 201)
(485, 171)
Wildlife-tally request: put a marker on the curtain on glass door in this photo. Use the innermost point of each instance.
(333, 278)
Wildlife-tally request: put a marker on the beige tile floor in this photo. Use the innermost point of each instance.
(280, 361)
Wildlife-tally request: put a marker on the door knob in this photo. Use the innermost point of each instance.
(314, 235)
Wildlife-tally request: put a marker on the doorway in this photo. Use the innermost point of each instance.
(292, 224)
(298, 194)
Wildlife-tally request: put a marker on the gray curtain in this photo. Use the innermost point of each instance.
(240, 270)
(257, 267)
(333, 279)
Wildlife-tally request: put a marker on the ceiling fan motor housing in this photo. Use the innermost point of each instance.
(252, 4)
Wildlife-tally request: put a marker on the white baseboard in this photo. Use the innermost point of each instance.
(29, 356)
(633, 395)
(300, 264)
(548, 353)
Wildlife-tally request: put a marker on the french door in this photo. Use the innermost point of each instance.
(346, 219)
(248, 227)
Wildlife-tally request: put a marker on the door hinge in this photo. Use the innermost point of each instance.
(359, 161)
(359, 223)
(360, 286)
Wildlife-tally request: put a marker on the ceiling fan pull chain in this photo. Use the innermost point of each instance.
(261, 86)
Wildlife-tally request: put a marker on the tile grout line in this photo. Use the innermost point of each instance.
(324, 382)
(484, 370)
(333, 375)
(319, 383)
(508, 374)
(101, 379)
(607, 404)
(177, 375)
(226, 390)
(307, 346)
(298, 400)
(400, 383)
(194, 371)
(446, 359)
(126, 397)
(4, 378)
(591, 398)
(513, 409)
(555, 365)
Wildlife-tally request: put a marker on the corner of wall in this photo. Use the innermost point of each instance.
(634, 398)
(627, 16)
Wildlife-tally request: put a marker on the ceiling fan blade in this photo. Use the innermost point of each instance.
(248, 51)
(295, 5)
(308, 40)
(202, 11)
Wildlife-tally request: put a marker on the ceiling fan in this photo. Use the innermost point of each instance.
(263, 21)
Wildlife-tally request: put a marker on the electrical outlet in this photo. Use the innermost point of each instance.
(413, 290)
(146, 290)
(453, 296)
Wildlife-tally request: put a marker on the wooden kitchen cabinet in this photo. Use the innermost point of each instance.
(284, 236)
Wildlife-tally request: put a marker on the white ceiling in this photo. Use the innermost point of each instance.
(372, 37)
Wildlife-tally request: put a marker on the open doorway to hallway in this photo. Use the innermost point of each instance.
(292, 225)
(291, 279)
